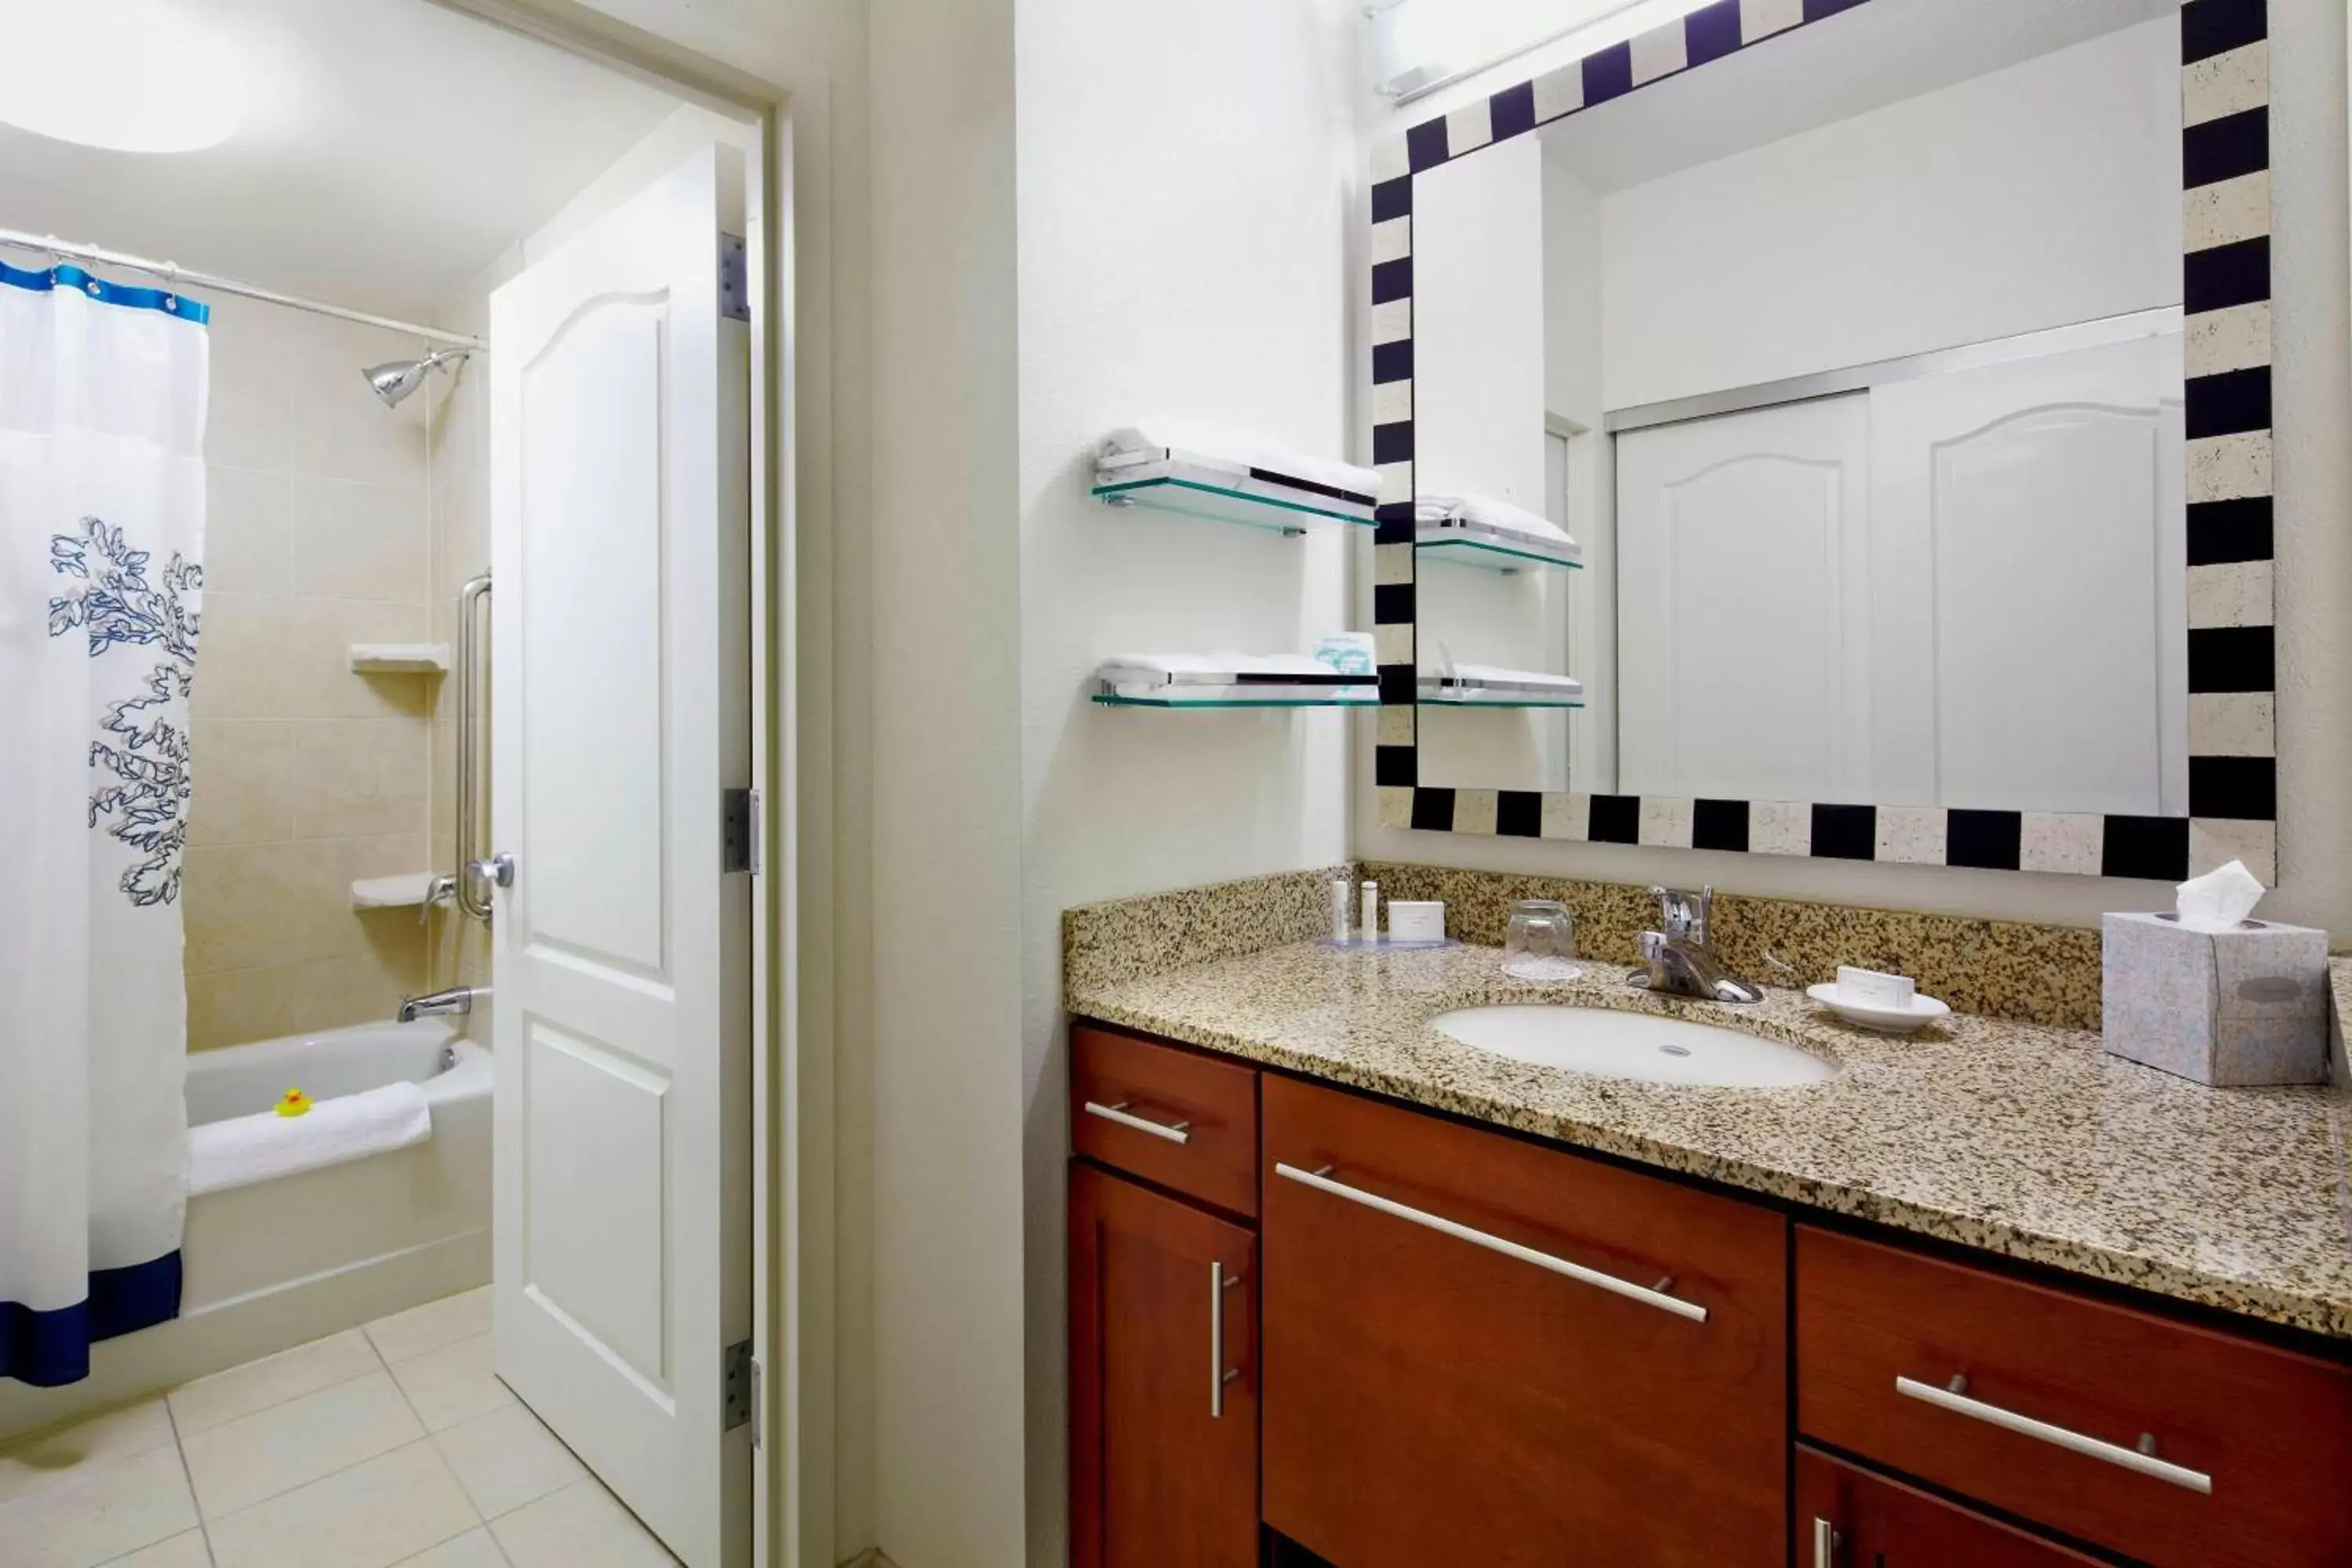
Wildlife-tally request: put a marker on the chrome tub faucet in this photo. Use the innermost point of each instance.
(455, 1003)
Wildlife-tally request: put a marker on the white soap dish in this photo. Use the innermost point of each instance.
(1922, 1012)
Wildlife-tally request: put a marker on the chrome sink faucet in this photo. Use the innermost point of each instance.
(1681, 963)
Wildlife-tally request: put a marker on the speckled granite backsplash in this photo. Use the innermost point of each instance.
(1998, 969)
(1129, 938)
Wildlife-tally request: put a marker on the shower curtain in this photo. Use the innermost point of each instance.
(101, 531)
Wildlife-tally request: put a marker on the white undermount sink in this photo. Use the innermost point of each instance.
(1640, 1045)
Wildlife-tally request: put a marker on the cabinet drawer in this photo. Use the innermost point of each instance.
(2043, 1403)
(1438, 1390)
(1848, 1518)
(1170, 1116)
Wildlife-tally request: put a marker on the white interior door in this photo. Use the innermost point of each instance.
(620, 713)
(2031, 644)
(1743, 584)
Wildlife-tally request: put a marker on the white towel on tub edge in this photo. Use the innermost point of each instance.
(248, 1149)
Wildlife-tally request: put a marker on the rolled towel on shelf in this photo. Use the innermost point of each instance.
(248, 1149)
(1238, 452)
(1488, 513)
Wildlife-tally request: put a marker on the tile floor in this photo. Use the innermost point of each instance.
(389, 1446)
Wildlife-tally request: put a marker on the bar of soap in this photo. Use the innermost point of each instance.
(1870, 988)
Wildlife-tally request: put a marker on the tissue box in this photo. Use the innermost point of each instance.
(2233, 1007)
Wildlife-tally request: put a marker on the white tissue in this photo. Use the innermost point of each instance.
(2218, 900)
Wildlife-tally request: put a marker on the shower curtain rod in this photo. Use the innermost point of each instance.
(181, 277)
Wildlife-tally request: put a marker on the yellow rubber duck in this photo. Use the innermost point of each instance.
(294, 1102)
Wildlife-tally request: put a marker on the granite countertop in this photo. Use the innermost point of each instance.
(2022, 1140)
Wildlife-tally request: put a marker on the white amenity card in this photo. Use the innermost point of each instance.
(1416, 920)
(1869, 988)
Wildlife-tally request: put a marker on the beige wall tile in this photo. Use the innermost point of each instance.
(245, 537)
(243, 670)
(244, 773)
(317, 650)
(231, 1007)
(359, 776)
(251, 905)
(354, 541)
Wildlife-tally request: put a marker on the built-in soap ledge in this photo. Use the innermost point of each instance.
(400, 658)
(407, 891)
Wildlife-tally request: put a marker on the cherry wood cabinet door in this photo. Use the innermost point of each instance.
(2173, 1444)
(1163, 1393)
(1847, 1518)
(1430, 1399)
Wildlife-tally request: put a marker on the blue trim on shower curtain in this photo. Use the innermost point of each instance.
(45, 1349)
(127, 295)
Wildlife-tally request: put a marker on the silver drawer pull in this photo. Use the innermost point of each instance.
(1220, 1374)
(1593, 1277)
(1825, 1543)
(1955, 1399)
(1175, 1132)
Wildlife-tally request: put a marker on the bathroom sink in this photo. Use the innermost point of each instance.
(1640, 1045)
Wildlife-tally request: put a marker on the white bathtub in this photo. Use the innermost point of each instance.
(282, 1262)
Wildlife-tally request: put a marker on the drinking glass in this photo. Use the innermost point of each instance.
(1542, 944)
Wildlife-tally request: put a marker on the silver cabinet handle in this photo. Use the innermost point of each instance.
(1175, 1132)
(1220, 1374)
(1322, 1182)
(1955, 1398)
(1825, 1543)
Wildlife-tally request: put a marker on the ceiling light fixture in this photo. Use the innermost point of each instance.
(134, 76)
(1421, 45)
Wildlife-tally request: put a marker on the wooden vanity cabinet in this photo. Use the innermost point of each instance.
(1431, 1398)
(1163, 1389)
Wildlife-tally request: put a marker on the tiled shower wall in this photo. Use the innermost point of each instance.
(307, 775)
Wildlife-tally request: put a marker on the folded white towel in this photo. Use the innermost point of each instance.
(1488, 512)
(1238, 451)
(248, 1149)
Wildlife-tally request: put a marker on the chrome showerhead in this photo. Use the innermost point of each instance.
(395, 381)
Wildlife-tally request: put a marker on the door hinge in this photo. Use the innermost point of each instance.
(758, 1400)
(738, 1385)
(734, 279)
(739, 846)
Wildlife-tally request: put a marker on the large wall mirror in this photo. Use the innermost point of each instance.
(1842, 429)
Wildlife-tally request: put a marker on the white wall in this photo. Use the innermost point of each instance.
(2036, 197)
(1182, 234)
(2314, 390)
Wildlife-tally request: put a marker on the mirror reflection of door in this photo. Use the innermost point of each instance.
(1857, 375)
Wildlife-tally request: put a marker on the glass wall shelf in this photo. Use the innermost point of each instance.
(1461, 542)
(1219, 494)
(1340, 691)
(1500, 689)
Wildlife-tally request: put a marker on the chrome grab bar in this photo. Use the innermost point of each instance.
(1321, 1181)
(2142, 1460)
(470, 898)
(1175, 1132)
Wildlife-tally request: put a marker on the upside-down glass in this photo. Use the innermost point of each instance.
(1542, 944)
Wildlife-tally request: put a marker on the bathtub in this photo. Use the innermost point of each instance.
(282, 1262)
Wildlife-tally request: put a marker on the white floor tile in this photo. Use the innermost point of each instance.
(475, 1548)
(181, 1551)
(369, 1516)
(214, 1401)
(453, 1384)
(432, 1325)
(99, 1512)
(507, 1458)
(579, 1527)
(287, 1446)
(36, 1463)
